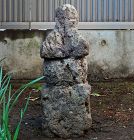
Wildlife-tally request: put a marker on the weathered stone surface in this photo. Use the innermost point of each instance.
(56, 46)
(66, 16)
(65, 41)
(66, 93)
(65, 71)
(67, 110)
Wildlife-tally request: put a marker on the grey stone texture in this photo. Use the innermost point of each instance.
(66, 93)
(66, 72)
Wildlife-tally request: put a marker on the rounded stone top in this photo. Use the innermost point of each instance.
(67, 16)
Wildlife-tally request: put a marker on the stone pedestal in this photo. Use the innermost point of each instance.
(66, 94)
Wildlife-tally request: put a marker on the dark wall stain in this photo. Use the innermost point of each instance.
(19, 34)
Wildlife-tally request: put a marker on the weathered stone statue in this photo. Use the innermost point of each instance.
(66, 93)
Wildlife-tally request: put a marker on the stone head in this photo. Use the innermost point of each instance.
(66, 17)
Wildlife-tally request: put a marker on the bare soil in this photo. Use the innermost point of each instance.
(112, 105)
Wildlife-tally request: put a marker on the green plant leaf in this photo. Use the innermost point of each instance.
(7, 102)
(21, 90)
(17, 131)
(21, 117)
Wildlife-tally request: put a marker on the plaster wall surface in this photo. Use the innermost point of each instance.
(21, 52)
(111, 53)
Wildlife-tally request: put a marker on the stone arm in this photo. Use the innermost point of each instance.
(55, 46)
(81, 50)
(50, 51)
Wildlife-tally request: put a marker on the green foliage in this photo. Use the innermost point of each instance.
(7, 101)
(37, 87)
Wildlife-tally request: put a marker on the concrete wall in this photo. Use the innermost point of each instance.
(111, 53)
(21, 49)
